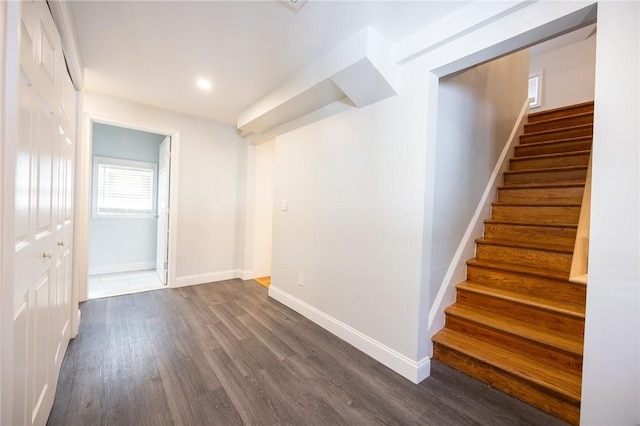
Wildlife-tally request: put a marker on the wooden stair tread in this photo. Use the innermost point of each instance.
(526, 245)
(542, 225)
(502, 203)
(554, 155)
(563, 181)
(558, 141)
(546, 132)
(540, 135)
(518, 328)
(508, 204)
(549, 169)
(534, 115)
(560, 307)
(560, 382)
(556, 119)
(520, 269)
(542, 185)
(560, 121)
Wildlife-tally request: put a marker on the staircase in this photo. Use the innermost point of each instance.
(518, 323)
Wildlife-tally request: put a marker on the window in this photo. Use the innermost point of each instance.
(535, 84)
(123, 188)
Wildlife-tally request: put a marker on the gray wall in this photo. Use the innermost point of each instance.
(477, 110)
(123, 244)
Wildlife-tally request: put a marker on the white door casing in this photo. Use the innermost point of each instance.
(162, 239)
(83, 192)
(44, 166)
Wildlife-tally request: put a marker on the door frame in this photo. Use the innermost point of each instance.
(83, 194)
(9, 75)
(164, 194)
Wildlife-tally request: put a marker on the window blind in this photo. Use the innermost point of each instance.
(124, 190)
(534, 91)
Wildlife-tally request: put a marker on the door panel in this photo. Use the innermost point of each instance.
(44, 147)
(65, 162)
(47, 52)
(23, 159)
(40, 341)
(163, 210)
(43, 215)
(20, 362)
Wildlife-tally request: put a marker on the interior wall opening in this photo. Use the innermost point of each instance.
(449, 268)
(128, 243)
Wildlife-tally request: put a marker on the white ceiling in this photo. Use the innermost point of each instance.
(152, 52)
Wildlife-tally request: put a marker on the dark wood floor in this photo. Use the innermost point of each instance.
(225, 354)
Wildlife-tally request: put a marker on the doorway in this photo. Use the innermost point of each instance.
(129, 215)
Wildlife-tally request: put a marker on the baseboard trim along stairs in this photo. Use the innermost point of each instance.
(518, 322)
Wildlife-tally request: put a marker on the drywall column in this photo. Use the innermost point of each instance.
(611, 373)
(263, 219)
(259, 211)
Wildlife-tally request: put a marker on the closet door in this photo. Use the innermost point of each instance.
(64, 161)
(42, 221)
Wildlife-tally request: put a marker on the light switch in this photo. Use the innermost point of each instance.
(284, 205)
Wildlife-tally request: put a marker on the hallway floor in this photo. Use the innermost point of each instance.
(226, 354)
(108, 285)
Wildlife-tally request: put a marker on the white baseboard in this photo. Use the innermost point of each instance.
(416, 371)
(123, 267)
(209, 277)
(247, 275)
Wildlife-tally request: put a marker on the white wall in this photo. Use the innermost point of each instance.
(354, 184)
(210, 192)
(120, 244)
(568, 74)
(611, 372)
(477, 110)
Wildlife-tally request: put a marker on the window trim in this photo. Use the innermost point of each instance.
(538, 102)
(97, 160)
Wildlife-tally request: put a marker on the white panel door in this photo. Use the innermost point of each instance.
(44, 169)
(163, 209)
(63, 178)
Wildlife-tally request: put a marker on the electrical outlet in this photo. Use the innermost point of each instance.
(301, 279)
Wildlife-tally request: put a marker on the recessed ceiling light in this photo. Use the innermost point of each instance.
(203, 84)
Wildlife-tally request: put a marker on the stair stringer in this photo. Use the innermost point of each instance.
(456, 271)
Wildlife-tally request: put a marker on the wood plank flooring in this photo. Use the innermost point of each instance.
(265, 281)
(226, 354)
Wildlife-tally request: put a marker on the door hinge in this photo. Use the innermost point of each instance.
(166, 266)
